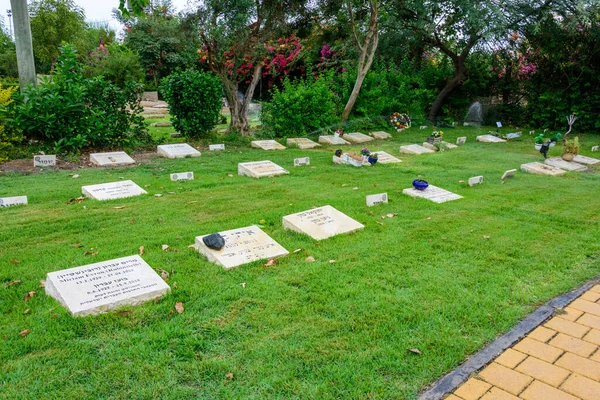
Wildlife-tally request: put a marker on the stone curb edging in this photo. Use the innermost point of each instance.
(454, 379)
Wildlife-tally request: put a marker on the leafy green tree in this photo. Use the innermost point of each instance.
(8, 57)
(116, 63)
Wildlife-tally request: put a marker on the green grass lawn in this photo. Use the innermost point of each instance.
(428, 278)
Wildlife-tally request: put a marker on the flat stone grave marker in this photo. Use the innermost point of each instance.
(44, 161)
(380, 135)
(513, 135)
(13, 201)
(385, 158)
(332, 140)
(112, 190)
(508, 174)
(595, 148)
(260, 169)
(321, 223)
(267, 145)
(541, 169)
(531, 132)
(357, 137)
(104, 286)
(461, 140)
(423, 127)
(242, 246)
(499, 124)
(114, 158)
(298, 162)
(302, 143)
(351, 161)
(182, 176)
(558, 162)
(489, 139)
(215, 147)
(430, 146)
(337, 160)
(376, 199)
(586, 160)
(415, 149)
(433, 193)
(180, 150)
(476, 180)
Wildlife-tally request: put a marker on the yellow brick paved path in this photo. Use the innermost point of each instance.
(559, 360)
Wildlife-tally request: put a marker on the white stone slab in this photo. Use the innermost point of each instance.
(332, 140)
(489, 139)
(508, 174)
(112, 190)
(595, 148)
(430, 146)
(260, 169)
(13, 201)
(376, 199)
(44, 161)
(357, 137)
(385, 158)
(298, 162)
(182, 176)
(415, 149)
(351, 161)
(216, 147)
(476, 180)
(242, 246)
(267, 145)
(461, 140)
(586, 160)
(302, 143)
(104, 286)
(541, 169)
(433, 193)
(513, 135)
(380, 135)
(337, 160)
(321, 223)
(114, 158)
(180, 150)
(558, 162)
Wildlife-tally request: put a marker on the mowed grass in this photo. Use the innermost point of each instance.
(427, 279)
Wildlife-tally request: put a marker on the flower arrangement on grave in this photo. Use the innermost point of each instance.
(365, 152)
(435, 136)
(400, 121)
(571, 148)
(338, 132)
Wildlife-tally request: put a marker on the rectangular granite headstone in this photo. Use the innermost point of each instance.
(489, 139)
(380, 135)
(321, 223)
(242, 246)
(182, 176)
(261, 169)
(214, 147)
(112, 190)
(558, 162)
(302, 143)
(267, 145)
(476, 180)
(385, 158)
(332, 140)
(415, 149)
(44, 161)
(376, 199)
(508, 174)
(357, 137)
(298, 162)
(586, 160)
(179, 150)
(433, 193)
(114, 158)
(541, 169)
(104, 286)
(13, 201)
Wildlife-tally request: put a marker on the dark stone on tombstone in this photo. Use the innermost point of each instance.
(214, 241)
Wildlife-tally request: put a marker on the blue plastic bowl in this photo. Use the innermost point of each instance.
(420, 184)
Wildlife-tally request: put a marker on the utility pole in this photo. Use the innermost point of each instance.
(9, 14)
(25, 62)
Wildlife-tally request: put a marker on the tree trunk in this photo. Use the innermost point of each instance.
(239, 108)
(24, 47)
(451, 85)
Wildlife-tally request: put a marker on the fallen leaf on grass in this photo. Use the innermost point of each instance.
(42, 283)
(27, 311)
(270, 263)
(243, 284)
(119, 207)
(415, 351)
(331, 261)
(380, 223)
(163, 274)
(355, 188)
(383, 217)
(131, 221)
(141, 250)
(165, 247)
(229, 376)
(159, 219)
(390, 215)
(461, 181)
(179, 307)
(370, 212)
(486, 237)
(428, 218)
(191, 202)
(90, 253)
(170, 192)
(230, 175)
(25, 332)
(78, 246)
(75, 176)
(15, 262)
(192, 246)
(29, 295)
(9, 284)
(344, 185)
(297, 251)
(158, 195)
(76, 200)
(310, 259)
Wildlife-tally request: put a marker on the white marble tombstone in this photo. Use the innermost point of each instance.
(376, 199)
(267, 145)
(44, 161)
(433, 193)
(13, 201)
(298, 162)
(385, 158)
(242, 246)
(558, 162)
(261, 169)
(415, 149)
(332, 140)
(179, 150)
(357, 137)
(541, 169)
(112, 190)
(114, 158)
(302, 143)
(216, 147)
(508, 174)
(182, 176)
(586, 160)
(489, 139)
(104, 286)
(321, 223)
(380, 135)
(476, 180)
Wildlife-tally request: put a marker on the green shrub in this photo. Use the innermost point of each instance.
(195, 101)
(73, 112)
(8, 137)
(300, 108)
(116, 63)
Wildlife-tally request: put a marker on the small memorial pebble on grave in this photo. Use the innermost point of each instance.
(489, 139)
(558, 162)
(541, 169)
(357, 137)
(433, 193)
(182, 176)
(114, 158)
(385, 158)
(476, 180)
(13, 201)
(242, 246)
(302, 143)
(44, 161)
(321, 223)
(298, 162)
(216, 147)
(112, 190)
(376, 199)
(104, 286)
(261, 169)
(461, 140)
(415, 149)
(380, 135)
(332, 140)
(179, 150)
(267, 145)
(585, 160)
(508, 174)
